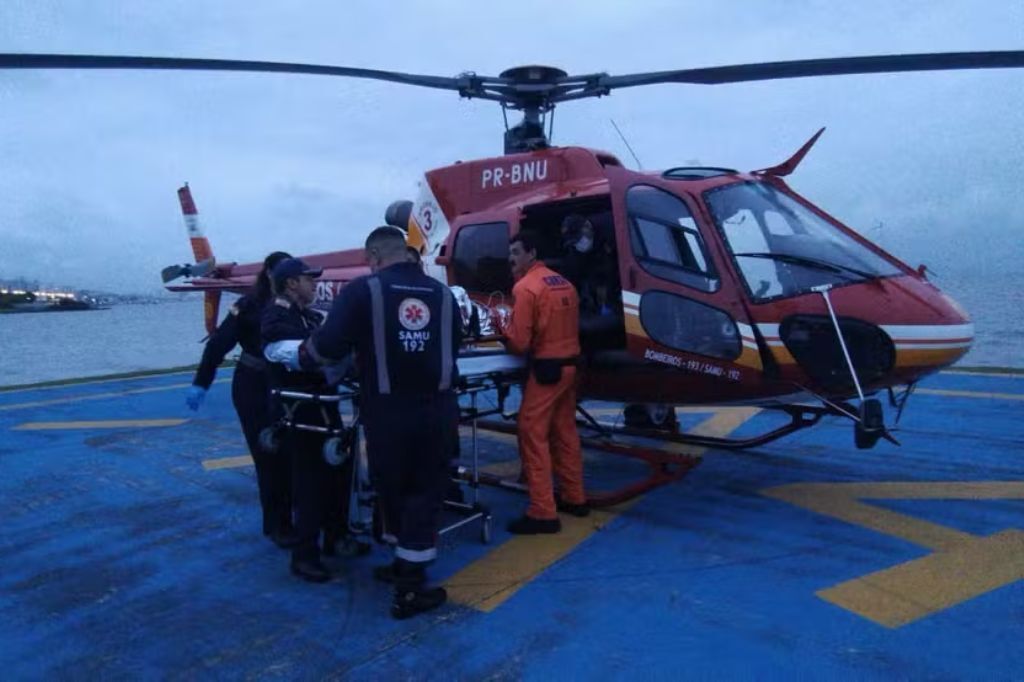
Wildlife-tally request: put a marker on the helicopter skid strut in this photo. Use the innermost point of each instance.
(801, 417)
(665, 467)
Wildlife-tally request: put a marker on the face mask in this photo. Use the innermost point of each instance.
(584, 244)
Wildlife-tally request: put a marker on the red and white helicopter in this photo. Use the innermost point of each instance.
(726, 287)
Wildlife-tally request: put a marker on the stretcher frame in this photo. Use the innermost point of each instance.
(506, 372)
(663, 467)
(350, 439)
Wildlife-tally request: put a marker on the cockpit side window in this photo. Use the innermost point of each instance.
(666, 240)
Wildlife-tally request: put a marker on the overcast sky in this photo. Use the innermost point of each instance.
(930, 165)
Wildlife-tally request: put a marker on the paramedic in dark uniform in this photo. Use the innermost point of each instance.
(250, 393)
(316, 486)
(405, 328)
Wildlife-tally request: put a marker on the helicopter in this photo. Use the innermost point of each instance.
(722, 287)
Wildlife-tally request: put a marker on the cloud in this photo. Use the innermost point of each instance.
(91, 160)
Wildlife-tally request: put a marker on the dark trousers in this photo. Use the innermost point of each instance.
(250, 394)
(410, 441)
(320, 491)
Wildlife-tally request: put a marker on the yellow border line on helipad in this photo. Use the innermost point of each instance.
(99, 424)
(970, 394)
(489, 581)
(227, 462)
(98, 396)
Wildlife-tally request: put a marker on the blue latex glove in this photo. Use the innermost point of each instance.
(194, 396)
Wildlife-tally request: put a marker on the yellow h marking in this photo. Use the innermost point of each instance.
(963, 566)
(919, 588)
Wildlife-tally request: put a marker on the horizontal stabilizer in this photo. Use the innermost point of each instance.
(173, 272)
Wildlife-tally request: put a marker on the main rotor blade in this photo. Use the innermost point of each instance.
(511, 92)
(81, 61)
(835, 66)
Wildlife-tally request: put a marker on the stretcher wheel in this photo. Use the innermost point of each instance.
(335, 451)
(270, 440)
(485, 530)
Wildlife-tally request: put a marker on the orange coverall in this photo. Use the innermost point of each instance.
(545, 324)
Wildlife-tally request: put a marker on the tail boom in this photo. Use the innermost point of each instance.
(201, 248)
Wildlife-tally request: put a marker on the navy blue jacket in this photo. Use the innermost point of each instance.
(284, 321)
(405, 328)
(240, 326)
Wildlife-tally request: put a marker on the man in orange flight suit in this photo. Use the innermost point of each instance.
(545, 328)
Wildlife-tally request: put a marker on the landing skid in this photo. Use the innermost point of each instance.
(664, 467)
(498, 373)
(801, 417)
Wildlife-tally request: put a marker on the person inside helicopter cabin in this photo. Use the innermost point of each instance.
(587, 263)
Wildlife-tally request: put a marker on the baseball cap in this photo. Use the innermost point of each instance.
(293, 267)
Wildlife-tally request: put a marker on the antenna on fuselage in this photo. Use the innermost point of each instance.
(626, 142)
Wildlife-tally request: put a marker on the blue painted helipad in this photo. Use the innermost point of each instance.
(130, 548)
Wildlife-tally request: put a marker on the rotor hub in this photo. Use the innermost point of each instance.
(534, 75)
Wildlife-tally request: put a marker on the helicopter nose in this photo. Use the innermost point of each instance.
(938, 340)
(894, 332)
(814, 345)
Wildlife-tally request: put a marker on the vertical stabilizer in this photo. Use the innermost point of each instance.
(200, 244)
(203, 254)
(211, 308)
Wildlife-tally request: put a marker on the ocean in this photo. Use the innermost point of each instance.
(123, 338)
(995, 301)
(126, 338)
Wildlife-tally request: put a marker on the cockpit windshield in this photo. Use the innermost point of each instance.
(782, 248)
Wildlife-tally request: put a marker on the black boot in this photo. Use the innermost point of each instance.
(412, 596)
(527, 525)
(347, 546)
(307, 565)
(578, 510)
(310, 571)
(353, 548)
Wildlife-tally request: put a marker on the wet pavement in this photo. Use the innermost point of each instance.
(130, 547)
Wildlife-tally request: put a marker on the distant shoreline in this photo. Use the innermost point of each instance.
(50, 309)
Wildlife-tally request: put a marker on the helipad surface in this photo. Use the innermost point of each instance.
(130, 547)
